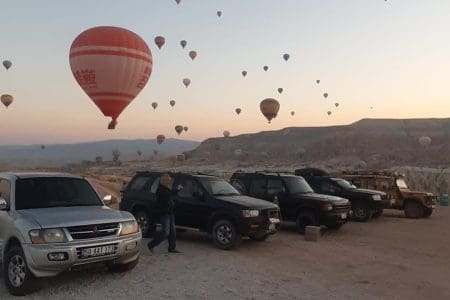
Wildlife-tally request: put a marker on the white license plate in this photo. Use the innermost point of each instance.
(433, 206)
(98, 251)
(343, 216)
(272, 227)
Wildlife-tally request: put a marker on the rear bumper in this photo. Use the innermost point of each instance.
(41, 266)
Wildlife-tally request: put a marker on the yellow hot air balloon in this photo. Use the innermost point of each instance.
(269, 108)
(7, 100)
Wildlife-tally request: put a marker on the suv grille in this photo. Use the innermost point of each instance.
(342, 208)
(93, 231)
(273, 213)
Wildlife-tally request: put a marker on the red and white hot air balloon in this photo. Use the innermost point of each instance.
(112, 65)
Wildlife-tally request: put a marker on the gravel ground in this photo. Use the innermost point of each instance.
(389, 258)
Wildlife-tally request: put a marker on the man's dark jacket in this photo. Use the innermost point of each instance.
(164, 200)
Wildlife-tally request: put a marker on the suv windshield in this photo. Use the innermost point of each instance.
(344, 184)
(297, 185)
(54, 192)
(401, 183)
(218, 187)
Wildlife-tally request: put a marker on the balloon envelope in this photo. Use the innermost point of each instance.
(292, 113)
(244, 73)
(172, 103)
(160, 139)
(238, 110)
(336, 104)
(7, 64)
(226, 133)
(183, 43)
(179, 129)
(112, 65)
(160, 41)
(154, 105)
(269, 108)
(266, 68)
(185, 128)
(325, 95)
(280, 90)
(329, 113)
(219, 13)
(192, 54)
(7, 99)
(178, 1)
(286, 57)
(317, 81)
(186, 82)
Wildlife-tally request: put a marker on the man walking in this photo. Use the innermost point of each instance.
(166, 207)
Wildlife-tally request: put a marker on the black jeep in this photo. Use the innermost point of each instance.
(296, 199)
(205, 203)
(365, 204)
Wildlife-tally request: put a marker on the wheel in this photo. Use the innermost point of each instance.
(225, 235)
(305, 218)
(148, 227)
(334, 226)
(377, 213)
(414, 210)
(18, 278)
(260, 236)
(120, 268)
(361, 212)
(428, 212)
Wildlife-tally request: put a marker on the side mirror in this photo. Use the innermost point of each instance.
(107, 200)
(3, 204)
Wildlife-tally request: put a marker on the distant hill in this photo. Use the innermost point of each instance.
(366, 143)
(61, 154)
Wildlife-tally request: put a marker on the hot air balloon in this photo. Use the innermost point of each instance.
(186, 128)
(286, 57)
(43, 147)
(183, 43)
(336, 104)
(292, 113)
(112, 65)
(154, 105)
(178, 1)
(7, 64)
(172, 103)
(179, 129)
(160, 139)
(139, 152)
(266, 68)
(425, 141)
(325, 95)
(219, 13)
(192, 54)
(226, 133)
(7, 100)
(186, 82)
(280, 90)
(269, 108)
(155, 152)
(329, 113)
(238, 111)
(318, 81)
(160, 41)
(244, 73)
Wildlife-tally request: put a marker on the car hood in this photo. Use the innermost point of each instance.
(410, 193)
(370, 192)
(247, 202)
(320, 197)
(56, 217)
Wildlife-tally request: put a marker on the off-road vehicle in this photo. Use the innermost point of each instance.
(296, 198)
(205, 203)
(365, 204)
(415, 204)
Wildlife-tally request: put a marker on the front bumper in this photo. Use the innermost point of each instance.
(127, 250)
(256, 225)
(333, 218)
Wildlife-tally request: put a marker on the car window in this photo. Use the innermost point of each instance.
(275, 187)
(155, 184)
(190, 186)
(218, 187)
(140, 183)
(5, 189)
(327, 188)
(258, 188)
(239, 185)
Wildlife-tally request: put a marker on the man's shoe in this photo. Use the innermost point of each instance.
(174, 251)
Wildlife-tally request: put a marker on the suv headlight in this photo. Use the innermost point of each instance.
(129, 227)
(376, 197)
(48, 236)
(250, 213)
(326, 207)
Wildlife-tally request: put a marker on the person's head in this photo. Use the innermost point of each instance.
(165, 180)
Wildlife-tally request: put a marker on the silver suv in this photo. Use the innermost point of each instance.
(50, 223)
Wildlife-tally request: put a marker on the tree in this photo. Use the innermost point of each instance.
(116, 156)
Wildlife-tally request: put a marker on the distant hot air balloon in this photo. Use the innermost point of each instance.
(43, 147)
(266, 68)
(139, 152)
(329, 113)
(292, 113)
(318, 81)
(336, 104)
(185, 128)
(160, 41)
(155, 152)
(280, 90)
(7, 64)
(112, 65)
(238, 111)
(226, 133)
(178, 1)
(219, 13)
(179, 129)
(160, 139)
(286, 57)
(244, 73)
(186, 82)
(172, 103)
(325, 95)
(7, 100)
(193, 54)
(154, 105)
(269, 108)
(183, 43)
(425, 141)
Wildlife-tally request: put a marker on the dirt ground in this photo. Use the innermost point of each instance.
(389, 258)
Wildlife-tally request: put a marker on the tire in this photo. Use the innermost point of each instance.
(121, 268)
(377, 213)
(428, 212)
(414, 210)
(225, 235)
(361, 212)
(335, 226)
(260, 236)
(305, 218)
(15, 267)
(148, 226)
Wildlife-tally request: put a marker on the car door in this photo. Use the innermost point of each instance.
(138, 193)
(277, 193)
(258, 188)
(5, 192)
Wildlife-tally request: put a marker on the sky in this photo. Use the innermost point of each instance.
(392, 56)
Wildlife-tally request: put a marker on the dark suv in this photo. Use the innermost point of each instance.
(365, 204)
(296, 199)
(206, 203)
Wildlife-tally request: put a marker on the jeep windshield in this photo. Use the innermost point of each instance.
(54, 192)
(218, 187)
(344, 184)
(401, 184)
(297, 185)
